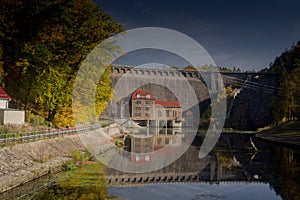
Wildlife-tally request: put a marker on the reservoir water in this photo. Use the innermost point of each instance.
(239, 167)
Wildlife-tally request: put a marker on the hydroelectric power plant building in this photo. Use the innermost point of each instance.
(146, 110)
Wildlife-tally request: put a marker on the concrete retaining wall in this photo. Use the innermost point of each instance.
(112, 129)
(24, 162)
(11, 116)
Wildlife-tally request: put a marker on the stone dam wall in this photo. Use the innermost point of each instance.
(251, 108)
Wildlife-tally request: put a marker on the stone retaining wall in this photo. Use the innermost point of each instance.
(25, 162)
(112, 129)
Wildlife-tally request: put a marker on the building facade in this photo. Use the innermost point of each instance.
(4, 99)
(8, 115)
(145, 108)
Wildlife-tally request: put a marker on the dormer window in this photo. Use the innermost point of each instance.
(147, 96)
(138, 96)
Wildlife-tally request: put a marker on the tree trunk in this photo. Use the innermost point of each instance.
(51, 115)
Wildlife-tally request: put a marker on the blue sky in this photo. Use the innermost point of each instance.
(245, 34)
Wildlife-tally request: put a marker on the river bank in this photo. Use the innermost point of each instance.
(24, 162)
(287, 134)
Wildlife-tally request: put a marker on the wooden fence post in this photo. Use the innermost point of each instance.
(5, 139)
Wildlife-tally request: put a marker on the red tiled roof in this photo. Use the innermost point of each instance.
(142, 94)
(4, 95)
(167, 103)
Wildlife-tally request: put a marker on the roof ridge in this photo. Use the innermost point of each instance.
(3, 94)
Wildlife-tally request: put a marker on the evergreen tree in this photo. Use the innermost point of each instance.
(286, 105)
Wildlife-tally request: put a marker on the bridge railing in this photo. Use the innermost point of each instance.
(25, 137)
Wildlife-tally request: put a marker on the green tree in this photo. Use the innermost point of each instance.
(286, 105)
(287, 61)
(41, 67)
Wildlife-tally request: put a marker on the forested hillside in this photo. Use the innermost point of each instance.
(286, 104)
(42, 44)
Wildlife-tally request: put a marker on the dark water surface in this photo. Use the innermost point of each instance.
(199, 191)
(235, 169)
(239, 167)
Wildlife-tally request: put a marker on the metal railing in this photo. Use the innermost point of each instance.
(25, 137)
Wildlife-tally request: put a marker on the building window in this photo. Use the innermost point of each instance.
(147, 108)
(159, 141)
(147, 158)
(167, 141)
(174, 113)
(137, 114)
(138, 102)
(148, 102)
(167, 113)
(174, 141)
(147, 114)
(159, 113)
(138, 108)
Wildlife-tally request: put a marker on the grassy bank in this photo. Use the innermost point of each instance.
(285, 134)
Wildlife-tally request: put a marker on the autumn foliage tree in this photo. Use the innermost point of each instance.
(40, 61)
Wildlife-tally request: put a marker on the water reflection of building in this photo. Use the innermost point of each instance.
(188, 168)
(145, 109)
(220, 165)
(146, 146)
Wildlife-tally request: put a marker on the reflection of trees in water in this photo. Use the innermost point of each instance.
(87, 182)
(286, 171)
(244, 156)
(225, 150)
(226, 160)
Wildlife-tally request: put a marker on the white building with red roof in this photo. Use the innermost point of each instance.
(8, 115)
(144, 107)
(4, 99)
